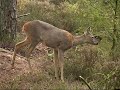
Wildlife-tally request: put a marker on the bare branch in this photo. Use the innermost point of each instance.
(23, 15)
(85, 82)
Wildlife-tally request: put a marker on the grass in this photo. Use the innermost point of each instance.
(38, 81)
(100, 73)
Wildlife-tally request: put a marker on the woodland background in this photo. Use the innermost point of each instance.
(99, 65)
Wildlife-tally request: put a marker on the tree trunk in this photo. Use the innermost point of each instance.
(8, 23)
(115, 33)
(115, 25)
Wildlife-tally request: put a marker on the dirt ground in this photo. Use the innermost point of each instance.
(21, 65)
(42, 63)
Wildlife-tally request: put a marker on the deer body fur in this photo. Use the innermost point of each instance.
(48, 34)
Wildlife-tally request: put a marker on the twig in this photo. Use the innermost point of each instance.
(85, 82)
(23, 15)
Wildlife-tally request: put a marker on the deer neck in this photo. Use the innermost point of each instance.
(78, 40)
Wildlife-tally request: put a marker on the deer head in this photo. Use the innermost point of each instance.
(90, 38)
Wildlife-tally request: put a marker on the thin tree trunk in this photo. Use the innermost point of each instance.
(115, 25)
(8, 22)
(114, 43)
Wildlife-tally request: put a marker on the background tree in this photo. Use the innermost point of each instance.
(116, 38)
(8, 22)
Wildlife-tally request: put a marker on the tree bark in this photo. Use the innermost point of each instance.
(115, 33)
(8, 22)
(115, 25)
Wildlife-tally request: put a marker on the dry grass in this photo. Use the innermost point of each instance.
(98, 72)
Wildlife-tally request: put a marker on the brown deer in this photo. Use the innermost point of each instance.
(60, 40)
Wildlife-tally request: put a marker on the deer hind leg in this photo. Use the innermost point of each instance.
(28, 52)
(56, 63)
(18, 46)
(61, 59)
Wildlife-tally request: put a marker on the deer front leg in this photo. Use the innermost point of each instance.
(18, 46)
(28, 52)
(61, 59)
(56, 63)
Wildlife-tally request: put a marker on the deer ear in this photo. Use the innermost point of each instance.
(87, 31)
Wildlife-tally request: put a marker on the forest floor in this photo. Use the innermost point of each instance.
(7, 74)
(42, 77)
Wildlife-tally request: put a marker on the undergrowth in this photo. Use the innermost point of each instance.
(101, 73)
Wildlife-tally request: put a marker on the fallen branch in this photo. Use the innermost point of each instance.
(9, 52)
(6, 51)
(85, 82)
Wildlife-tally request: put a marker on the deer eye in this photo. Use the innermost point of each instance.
(96, 37)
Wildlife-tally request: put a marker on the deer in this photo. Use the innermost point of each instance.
(59, 40)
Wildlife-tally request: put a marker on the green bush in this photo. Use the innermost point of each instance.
(88, 62)
(95, 64)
